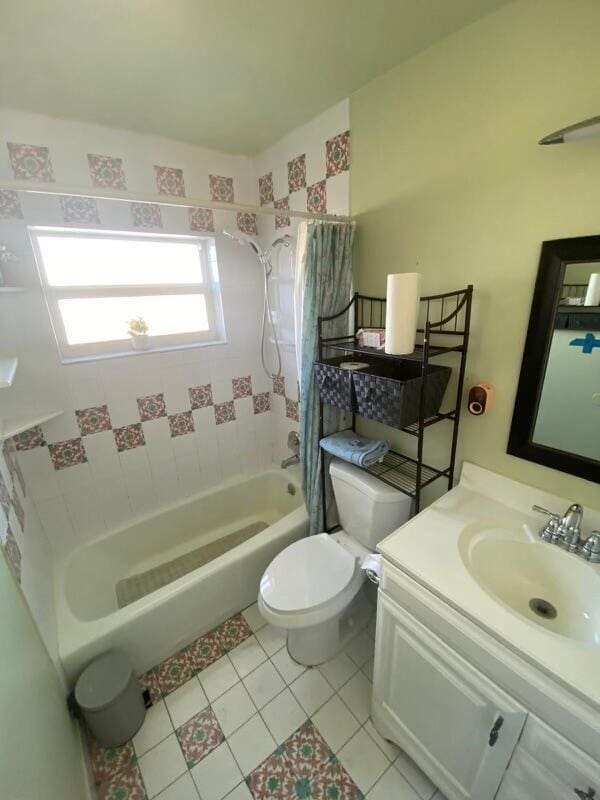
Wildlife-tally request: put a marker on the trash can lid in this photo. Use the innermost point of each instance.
(103, 681)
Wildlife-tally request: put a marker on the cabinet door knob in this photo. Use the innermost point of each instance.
(589, 795)
(495, 730)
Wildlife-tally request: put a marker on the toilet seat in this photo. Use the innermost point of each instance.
(307, 575)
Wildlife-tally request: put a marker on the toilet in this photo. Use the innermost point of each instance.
(314, 588)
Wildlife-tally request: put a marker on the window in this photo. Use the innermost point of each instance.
(95, 281)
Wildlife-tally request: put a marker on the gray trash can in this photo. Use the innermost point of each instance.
(110, 699)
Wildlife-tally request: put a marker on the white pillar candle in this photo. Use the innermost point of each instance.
(402, 310)
(592, 295)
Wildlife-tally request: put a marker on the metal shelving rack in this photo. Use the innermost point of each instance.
(446, 320)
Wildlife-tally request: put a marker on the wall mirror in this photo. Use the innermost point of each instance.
(556, 419)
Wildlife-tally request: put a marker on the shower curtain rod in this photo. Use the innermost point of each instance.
(164, 200)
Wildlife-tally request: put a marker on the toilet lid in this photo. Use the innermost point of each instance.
(306, 574)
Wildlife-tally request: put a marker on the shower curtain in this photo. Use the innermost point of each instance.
(323, 287)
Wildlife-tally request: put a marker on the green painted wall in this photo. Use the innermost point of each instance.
(40, 755)
(447, 179)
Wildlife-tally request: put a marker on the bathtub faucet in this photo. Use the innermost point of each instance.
(293, 442)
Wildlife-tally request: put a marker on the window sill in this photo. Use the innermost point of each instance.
(131, 352)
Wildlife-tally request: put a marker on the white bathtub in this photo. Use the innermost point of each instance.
(155, 626)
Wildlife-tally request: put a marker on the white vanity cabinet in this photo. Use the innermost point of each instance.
(455, 723)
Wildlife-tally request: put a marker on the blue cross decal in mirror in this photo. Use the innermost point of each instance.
(587, 344)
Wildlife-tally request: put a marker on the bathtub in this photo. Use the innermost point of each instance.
(153, 627)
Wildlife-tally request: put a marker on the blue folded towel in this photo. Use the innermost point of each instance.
(351, 447)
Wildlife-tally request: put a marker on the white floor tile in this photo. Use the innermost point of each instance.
(233, 708)
(367, 669)
(162, 765)
(439, 796)
(264, 683)
(253, 617)
(360, 649)
(241, 792)
(389, 748)
(157, 726)
(271, 639)
(286, 666)
(247, 656)
(283, 715)
(311, 690)
(251, 744)
(357, 696)
(339, 670)
(392, 784)
(184, 788)
(415, 776)
(217, 774)
(186, 701)
(335, 723)
(363, 760)
(218, 678)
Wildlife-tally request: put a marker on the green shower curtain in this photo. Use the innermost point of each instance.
(326, 285)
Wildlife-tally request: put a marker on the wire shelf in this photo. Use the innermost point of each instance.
(401, 472)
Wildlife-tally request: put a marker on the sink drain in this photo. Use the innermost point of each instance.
(542, 608)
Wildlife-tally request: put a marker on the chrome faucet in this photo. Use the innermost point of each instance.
(293, 442)
(565, 531)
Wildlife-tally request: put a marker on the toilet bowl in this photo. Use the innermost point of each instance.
(314, 588)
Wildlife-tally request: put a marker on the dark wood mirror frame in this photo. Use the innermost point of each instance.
(554, 258)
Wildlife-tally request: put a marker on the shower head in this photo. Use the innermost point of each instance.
(285, 240)
(244, 238)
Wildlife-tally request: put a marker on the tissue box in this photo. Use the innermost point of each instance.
(371, 337)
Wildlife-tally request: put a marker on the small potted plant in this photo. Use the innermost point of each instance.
(137, 328)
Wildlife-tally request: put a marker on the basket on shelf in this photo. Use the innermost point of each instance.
(335, 384)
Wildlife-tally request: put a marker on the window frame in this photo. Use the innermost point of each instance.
(209, 286)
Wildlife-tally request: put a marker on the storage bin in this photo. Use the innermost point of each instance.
(335, 384)
(390, 392)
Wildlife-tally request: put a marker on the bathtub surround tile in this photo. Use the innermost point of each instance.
(106, 172)
(224, 412)
(201, 219)
(12, 553)
(34, 437)
(233, 632)
(4, 495)
(129, 437)
(241, 387)
(282, 220)
(200, 396)
(261, 402)
(30, 162)
(79, 210)
(93, 420)
(18, 509)
(291, 409)
(106, 762)
(217, 774)
(337, 154)
(265, 189)
(221, 189)
(67, 454)
(156, 727)
(127, 785)
(185, 702)
(316, 198)
(146, 215)
(181, 423)
(247, 222)
(173, 672)
(199, 736)
(10, 205)
(169, 180)
(162, 765)
(297, 174)
(152, 407)
(279, 385)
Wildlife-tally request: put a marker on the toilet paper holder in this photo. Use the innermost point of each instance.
(372, 576)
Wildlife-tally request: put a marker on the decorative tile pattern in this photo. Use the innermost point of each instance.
(67, 453)
(199, 737)
(261, 402)
(106, 172)
(146, 215)
(201, 219)
(175, 671)
(282, 221)
(297, 173)
(93, 420)
(337, 154)
(126, 785)
(233, 631)
(149, 681)
(242, 387)
(152, 406)
(221, 189)
(306, 751)
(79, 210)
(181, 423)
(279, 385)
(201, 396)
(20, 513)
(265, 189)
(224, 412)
(316, 198)
(10, 205)
(27, 440)
(129, 437)
(272, 780)
(106, 762)
(206, 650)
(13, 554)
(247, 223)
(4, 496)
(291, 409)
(334, 782)
(30, 161)
(169, 180)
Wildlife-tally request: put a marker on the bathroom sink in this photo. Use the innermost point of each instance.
(542, 583)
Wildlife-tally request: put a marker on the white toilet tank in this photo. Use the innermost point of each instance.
(368, 509)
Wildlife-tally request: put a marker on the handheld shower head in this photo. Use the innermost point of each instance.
(284, 240)
(244, 238)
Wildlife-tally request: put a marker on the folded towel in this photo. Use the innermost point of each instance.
(351, 447)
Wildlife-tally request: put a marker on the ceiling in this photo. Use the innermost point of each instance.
(235, 75)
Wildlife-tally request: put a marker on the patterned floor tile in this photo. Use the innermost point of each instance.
(200, 736)
(106, 762)
(206, 650)
(306, 752)
(269, 780)
(233, 631)
(127, 785)
(334, 783)
(173, 672)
